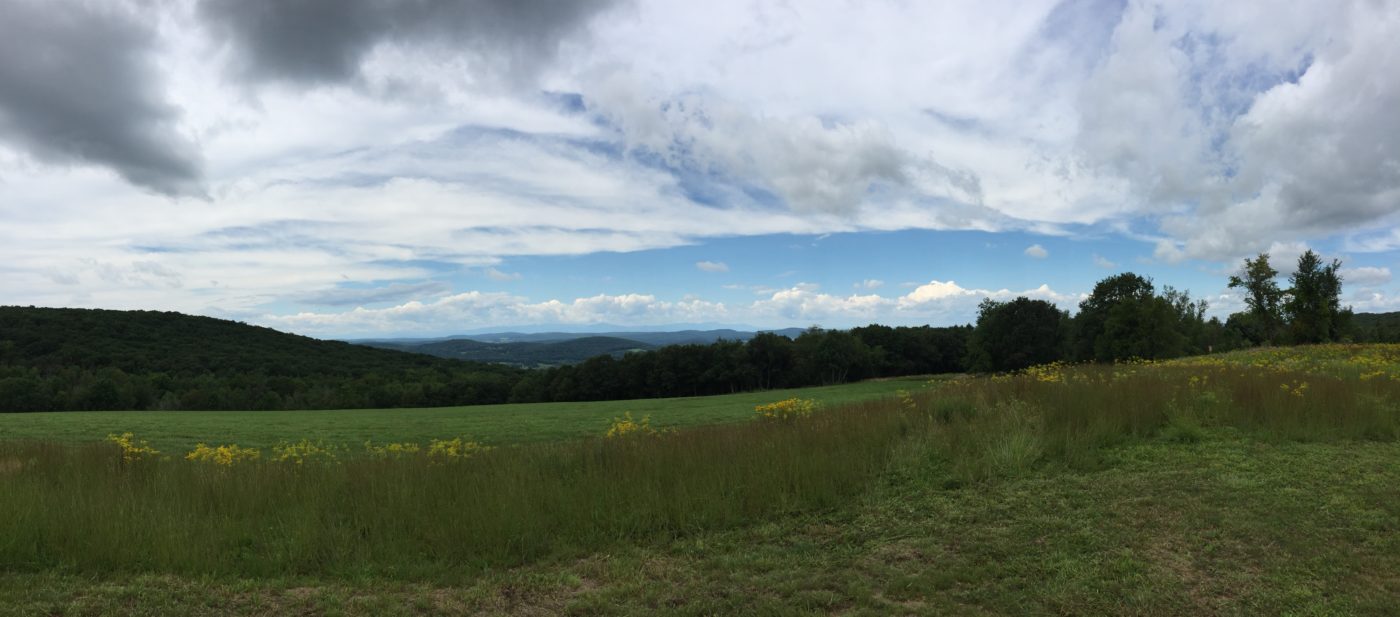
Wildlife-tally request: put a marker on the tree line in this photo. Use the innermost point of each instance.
(80, 359)
(1127, 317)
(766, 361)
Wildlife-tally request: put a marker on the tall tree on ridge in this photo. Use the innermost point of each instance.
(1314, 303)
(1262, 295)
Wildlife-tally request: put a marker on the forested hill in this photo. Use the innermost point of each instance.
(76, 359)
(1377, 327)
(102, 359)
(141, 341)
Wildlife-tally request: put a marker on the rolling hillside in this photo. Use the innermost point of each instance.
(80, 359)
(136, 341)
(1377, 327)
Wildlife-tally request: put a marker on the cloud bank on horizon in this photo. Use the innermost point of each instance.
(338, 167)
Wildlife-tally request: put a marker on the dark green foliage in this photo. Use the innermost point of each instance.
(1313, 307)
(921, 350)
(1375, 327)
(772, 358)
(816, 357)
(832, 357)
(1118, 299)
(78, 359)
(1309, 311)
(1263, 296)
(1146, 328)
(1126, 318)
(72, 359)
(1123, 318)
(1014, 335)
(1247, 327)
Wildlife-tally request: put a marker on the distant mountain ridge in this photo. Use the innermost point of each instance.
(676, 337)
(543, 349)
(528, 354)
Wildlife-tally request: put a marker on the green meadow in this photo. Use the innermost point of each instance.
(1257, 483)
(178, 431)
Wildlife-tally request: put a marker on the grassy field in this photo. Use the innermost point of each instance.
(1259, 483)
(1228, 525)
(491, 424)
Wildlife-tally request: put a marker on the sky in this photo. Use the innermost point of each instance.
(365, 168)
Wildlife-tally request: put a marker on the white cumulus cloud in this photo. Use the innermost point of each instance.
(1365, 276)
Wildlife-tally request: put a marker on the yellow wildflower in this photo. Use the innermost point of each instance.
(627, 427)
(225, 455)
(302, 451)
(392, 450)
(454, 449)
(787, 409)
(133, 450)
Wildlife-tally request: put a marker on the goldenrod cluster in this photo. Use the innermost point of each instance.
(392, 450)
(786, 410)
(133, 450)
(1367, 362)
(454, 449)
(1297, 389)
(1048, 373)
(222, 455)
(302, 451)
(627, 427)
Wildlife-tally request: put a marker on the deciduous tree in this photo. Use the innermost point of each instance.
(1262, 296)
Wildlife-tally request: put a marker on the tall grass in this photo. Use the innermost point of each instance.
(1005, 425)
(85, 509)
(82, 508)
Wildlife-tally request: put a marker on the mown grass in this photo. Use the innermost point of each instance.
(1191, 488)
(492, 424)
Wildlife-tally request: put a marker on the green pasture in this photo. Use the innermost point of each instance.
(178, 431)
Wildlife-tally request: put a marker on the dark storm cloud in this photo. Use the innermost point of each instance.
(324, 41)
(77, 85)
